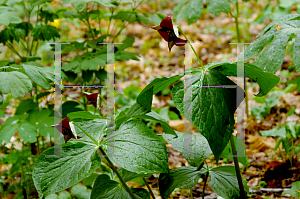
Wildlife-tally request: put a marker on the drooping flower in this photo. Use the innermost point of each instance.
(166, 30)
(93, 99)
(65, 129)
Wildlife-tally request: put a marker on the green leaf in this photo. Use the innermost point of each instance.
(178, 8)
(40, 76)
(70, 66)
(194, 148)
(211, 110)
(64, 195)
(8, 17)
(7, 132)
(142, 150)
(294, 191)
(105, 188)
(156, 117)
(277, 131)
(25, 106)
(240, 147)
(154, 87)
(96, 129)
(15, 82)
(84, 115)
(223, 181)
(217, 6)
(53, 173)
(1, 100)
(126, 43)
(128, 175)
(81, 192)
(182, 178)
(277, 33)
(28, 132)
(265, 80)
(192, 11)
(45, 33)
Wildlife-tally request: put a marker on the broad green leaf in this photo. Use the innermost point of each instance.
(28, 132)
(211, 110)
(136, 109)
(128, 175)
(240, 148)
(277, 33)
(7, 132)
(105, 188)
(70, 66)
(142, 150)
(64, 195)
(223, 181)
(217, 6)
(1, 100)
(277, 131)
(45, 33)
(192, 11)
(265, 80)
(52, 196)
(81, 192)
(294, 191)
(194, 148)
(8, 17)
(182, 178)
(158, 84)
(53, 173)
(15, 82)
(84, 115)
(126, 43)
(178, 8)
(95, 128)
(40, 76)
(156, 117)
(25, 106)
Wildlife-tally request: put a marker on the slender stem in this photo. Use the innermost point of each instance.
(10, 46)
(123, 26)
(191, 192)
(88, 21)
(237, 169)
(236, 17)
(86, 133)
(200, 166)
(149, 188)
(199, 60)
(203, 191)
(84, 103)
(116, 171)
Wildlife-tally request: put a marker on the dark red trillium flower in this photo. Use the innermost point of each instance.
(65, 128)
(165, 29)
(92, 99)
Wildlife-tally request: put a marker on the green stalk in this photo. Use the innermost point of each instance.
(191, 192)
(237, 169)
(203, 191)
(236, 19)
(199, 60)
(119, 176)
(149, 188)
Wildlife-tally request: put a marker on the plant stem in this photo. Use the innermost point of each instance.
(237, 169)
(119, 176)
(200, 166)
(149, 188)
(199, 60)
(203, 191)
(191, 192)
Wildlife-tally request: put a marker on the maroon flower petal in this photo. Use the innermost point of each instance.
(92, 99)
(180, 42)
(167, 22)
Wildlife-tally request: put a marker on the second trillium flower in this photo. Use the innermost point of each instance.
(166, 30)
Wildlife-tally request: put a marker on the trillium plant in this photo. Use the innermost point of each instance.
(95, 146)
